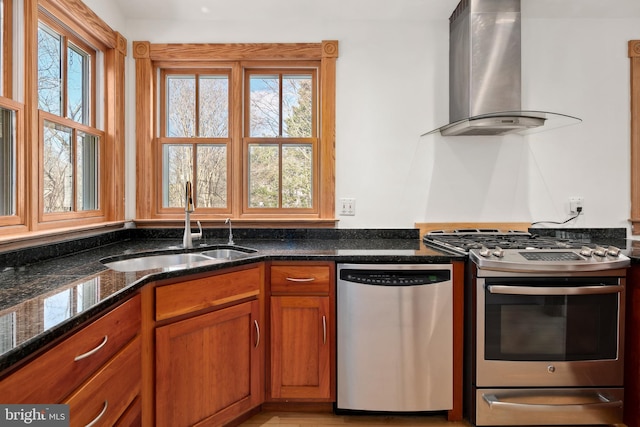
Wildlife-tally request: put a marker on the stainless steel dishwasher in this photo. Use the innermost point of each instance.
(395, 337)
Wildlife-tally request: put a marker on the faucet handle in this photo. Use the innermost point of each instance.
(197, 235)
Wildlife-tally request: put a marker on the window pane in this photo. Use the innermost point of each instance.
(297, 106)
(7, 162)
(181, 106)
(78, 85)
(87, 172)
(263, 176)
(297, 176)
(177, 169)
(58, 168)
(264, 106)
(49, 71)
(211, 185)
(214, 106)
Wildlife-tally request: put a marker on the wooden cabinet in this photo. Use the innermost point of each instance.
(632, 349)
(107, 395)
(209, 360)
(98, 364)
(302, 332)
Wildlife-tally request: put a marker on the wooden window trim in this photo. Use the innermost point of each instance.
(150, 56)
(86, 25)
(634, 56)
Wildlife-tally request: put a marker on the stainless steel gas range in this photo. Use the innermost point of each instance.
(544, 328)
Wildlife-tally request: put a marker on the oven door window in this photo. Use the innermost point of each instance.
(551, 327)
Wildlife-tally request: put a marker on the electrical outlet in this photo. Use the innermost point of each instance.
(575, 203)
(348, 206)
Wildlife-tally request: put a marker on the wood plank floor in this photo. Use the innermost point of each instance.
(304, 419)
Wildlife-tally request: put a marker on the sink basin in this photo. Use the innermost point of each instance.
(184, 260)
(225, 253)
(177, 260)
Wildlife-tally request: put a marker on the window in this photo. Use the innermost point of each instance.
(11, 183)
(282, 140)
(252, 129)
(70, 142)
(6, 52)
(54, 145)
(195, 137)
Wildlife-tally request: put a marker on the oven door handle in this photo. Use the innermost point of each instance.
(540, 290)
(604, 402)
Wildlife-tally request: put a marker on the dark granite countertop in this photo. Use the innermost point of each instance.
(48, 291)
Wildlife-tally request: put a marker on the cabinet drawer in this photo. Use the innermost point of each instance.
(198, 294)
(301, 278)
(108, 394)
(68, 364)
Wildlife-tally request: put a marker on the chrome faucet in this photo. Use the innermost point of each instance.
(230, 242)
(188, 238)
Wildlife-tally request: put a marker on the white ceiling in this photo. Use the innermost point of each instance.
(360, 9)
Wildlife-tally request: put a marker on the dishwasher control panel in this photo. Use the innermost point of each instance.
(395, 277)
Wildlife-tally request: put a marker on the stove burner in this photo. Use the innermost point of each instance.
(465, 240)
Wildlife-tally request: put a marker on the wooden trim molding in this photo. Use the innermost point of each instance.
(151, 56)
(634, 56)
(84, 20)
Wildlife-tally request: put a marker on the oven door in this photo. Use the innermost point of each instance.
(541, 332)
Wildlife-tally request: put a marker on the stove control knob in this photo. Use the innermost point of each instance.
(586, 251)
(498, 252)
(600, 251)
(485, 252)
(613, 251)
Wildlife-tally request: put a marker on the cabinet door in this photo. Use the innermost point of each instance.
(300, 348)
(208, 367)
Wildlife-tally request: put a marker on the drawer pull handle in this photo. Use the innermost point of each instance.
(324, 329)
(94, 351)
(96, 419)
(308, 279)
(255, 322)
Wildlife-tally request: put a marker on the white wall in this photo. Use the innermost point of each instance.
(392, 86)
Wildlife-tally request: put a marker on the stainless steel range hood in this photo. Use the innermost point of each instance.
(484, 73)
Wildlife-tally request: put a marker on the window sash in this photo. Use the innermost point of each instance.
(12, 184)
(75, 100)
(180, 161)
(78, 192)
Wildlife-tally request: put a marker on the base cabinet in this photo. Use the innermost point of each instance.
(208, 367)
(632, 349)
(96, 371)
(302, 332)
(300, 354)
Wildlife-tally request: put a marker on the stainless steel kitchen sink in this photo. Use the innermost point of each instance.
(151, 262)
(226, 253)
(175, 260)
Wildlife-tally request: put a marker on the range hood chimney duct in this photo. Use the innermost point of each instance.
(484, 72)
